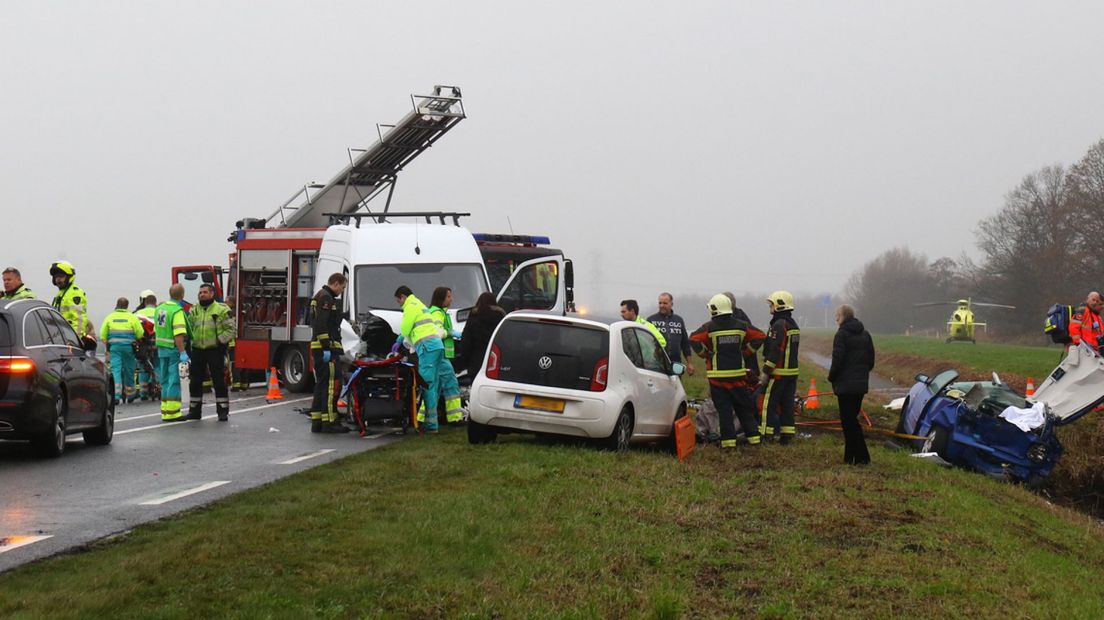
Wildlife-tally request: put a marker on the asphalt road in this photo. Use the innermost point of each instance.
(154, 469)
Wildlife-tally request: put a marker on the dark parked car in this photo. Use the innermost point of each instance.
(50, 386)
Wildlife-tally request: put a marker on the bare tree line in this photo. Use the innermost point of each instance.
(1044, 246)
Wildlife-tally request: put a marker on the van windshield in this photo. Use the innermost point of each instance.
(376, 284)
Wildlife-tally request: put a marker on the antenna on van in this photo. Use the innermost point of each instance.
(510, 224)
(417, 243)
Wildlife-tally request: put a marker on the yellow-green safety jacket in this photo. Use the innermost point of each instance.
(212, 325)
(444, 321)
(72, 303)
(418, 325)
(170, 321)
(20, 293)
(121, 327)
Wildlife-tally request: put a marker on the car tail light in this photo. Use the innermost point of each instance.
(600, 375)
(16, 365)
(494, 360)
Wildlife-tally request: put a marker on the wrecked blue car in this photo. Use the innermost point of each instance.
(989, 427)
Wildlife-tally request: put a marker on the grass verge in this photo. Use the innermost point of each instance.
(435, 528)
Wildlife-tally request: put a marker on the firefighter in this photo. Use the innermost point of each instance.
(780, 369)
(120, 332)
(14, 287)
(423, 335)
(326, 352)
(212, 329)
(172, 333)
(1087, 324)
(147, 314)
(724, 342)
(70, 300)
(630, 311)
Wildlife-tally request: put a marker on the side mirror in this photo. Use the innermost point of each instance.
(677, 369)
(922, 378)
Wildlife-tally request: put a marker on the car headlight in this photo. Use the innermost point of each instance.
(1037, 453)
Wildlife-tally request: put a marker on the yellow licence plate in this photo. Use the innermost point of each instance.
(539, 403)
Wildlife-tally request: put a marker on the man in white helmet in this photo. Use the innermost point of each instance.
(780, 369)
(724, 342)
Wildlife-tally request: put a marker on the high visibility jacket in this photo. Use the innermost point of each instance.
(171, 321)
(121, 327)
(325, 321)
(150, 312)
(655, 331)
(724, 342)
(1087, 326)
(780, 348)
(212, 326)
(20, 293)
(72, 303)
(417, 323)
(444, 321)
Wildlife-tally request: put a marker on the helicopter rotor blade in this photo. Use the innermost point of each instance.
(927, 304)
(979, 303)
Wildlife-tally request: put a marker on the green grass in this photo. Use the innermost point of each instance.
(435, 528)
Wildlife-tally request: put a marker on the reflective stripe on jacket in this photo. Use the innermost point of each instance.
(211, 325)
(444, 321)
(780, 349)
(170, 321)
(724, 342)
(417, 323)
(72, 303)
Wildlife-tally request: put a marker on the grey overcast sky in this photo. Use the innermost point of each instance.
(692, 146)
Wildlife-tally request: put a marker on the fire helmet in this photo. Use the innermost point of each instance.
(720, 304)
(782, 300)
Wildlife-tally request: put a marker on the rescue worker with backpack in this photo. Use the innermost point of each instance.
(326, 352)
(172, 332)
(422, 334)
(120, 332)
(724, 342)
(780, 369)
(212, 330)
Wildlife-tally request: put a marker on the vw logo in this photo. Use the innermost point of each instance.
(544, 362)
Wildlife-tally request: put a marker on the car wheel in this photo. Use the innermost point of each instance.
(52, 445)
(102, 435)
(479, 434)
(618, 441)
(937, 442)
(293, 366)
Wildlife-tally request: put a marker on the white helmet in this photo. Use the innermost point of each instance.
(720, 304)
(782, 300)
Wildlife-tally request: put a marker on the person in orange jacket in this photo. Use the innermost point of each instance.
(1087, 325)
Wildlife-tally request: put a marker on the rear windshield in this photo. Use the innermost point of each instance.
(568, 352)
(5, 331)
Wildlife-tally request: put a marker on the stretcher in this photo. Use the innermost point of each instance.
(382, 390)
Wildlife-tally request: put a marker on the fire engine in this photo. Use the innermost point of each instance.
(278, 263)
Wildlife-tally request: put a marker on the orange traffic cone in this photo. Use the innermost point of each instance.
(812, 401)
(273, 386)
(1030, 387)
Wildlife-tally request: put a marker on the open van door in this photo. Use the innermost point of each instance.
(537, 284)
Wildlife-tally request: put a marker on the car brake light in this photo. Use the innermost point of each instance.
(16, 365)
(600, 375)
(493, 360)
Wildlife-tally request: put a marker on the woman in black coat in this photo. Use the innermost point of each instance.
(482, 321)
(852, 361)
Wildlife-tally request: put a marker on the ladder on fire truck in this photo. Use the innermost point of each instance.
(375, 169)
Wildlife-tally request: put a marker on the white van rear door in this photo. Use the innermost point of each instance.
(536, 284)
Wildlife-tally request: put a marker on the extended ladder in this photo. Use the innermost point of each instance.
(375, 169)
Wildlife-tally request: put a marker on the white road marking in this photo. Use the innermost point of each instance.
(157, 414)
(306, 456)
(185, 493)
(183, 422)
(7, 543)
(378, 435)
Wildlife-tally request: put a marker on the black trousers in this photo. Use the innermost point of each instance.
(854, 444)
(777, 416)
(208, 364)
(734, 403)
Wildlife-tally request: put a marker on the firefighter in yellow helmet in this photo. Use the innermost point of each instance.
(725, 342)
(70, 300)
(780, 369)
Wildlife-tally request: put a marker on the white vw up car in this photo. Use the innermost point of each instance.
(583, 377)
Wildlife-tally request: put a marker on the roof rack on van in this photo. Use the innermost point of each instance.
(380, 218)
(374, 170)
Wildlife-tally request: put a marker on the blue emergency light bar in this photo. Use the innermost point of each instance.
(497, 238)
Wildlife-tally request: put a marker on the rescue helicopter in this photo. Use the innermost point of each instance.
(960, 327)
